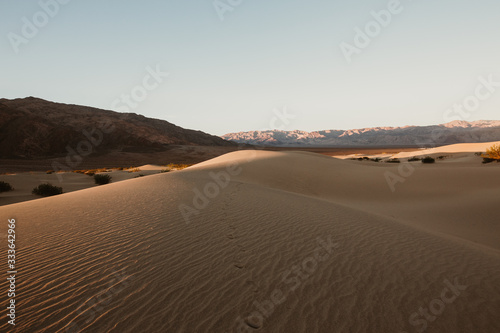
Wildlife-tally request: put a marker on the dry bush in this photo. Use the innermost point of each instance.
(176, 166)
(47, 190)
(493, 152)
(5, 187)
(102, 179)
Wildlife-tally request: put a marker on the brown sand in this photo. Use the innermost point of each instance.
(294, 242)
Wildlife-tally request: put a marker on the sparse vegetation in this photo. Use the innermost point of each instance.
(164, 170)
(49, 172)
(428, 160)
(393, 160)
(5, 187)
(91, 172)
(493, 152)
(441, 157)
(376, 159)
(175, 166)
(132, 169)
(139, 175)
(100, 179)
(487, 160)
(47, 190)
(414, 159)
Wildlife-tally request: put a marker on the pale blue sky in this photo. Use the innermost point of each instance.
(227, 76)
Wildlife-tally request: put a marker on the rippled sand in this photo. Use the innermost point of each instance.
(293, 242)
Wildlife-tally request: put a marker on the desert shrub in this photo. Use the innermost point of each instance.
(134, 170)
(176, 166)
(376, 159)
(428, 160)
(49, 172)
(47, 190)
(5, 187)
(120, 168)
(493, 152)
(441, 157)
(487, 160)
(414, 159)
(393, 160)
(102, 179)
(90, 173)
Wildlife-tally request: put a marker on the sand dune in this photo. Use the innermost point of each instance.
(258, 241)
(456, 148)
(451, 152)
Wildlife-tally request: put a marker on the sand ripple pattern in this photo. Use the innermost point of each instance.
(120, 258)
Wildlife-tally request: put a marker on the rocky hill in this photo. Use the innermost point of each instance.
(35, 128)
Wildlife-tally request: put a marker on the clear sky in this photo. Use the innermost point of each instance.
(233, 74)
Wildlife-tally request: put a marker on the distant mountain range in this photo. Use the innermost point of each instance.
(450, 133)
(34, 128)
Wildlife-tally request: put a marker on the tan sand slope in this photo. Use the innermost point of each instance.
(456, 148)
(280, 242)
